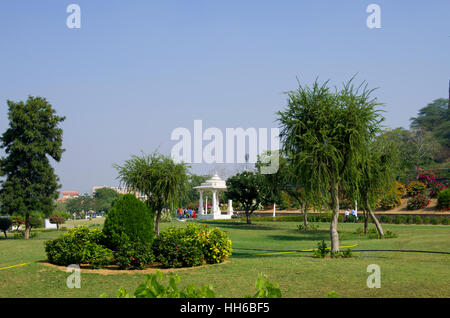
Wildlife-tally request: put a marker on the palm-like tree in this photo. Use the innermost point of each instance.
(157, 176)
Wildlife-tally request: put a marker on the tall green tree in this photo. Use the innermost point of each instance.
(416, 147)
(158, 177)
(83, 203)
(30, 184)
(247, 189)
(325, 136)
(104, 198)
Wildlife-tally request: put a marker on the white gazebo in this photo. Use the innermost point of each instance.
(214, 184)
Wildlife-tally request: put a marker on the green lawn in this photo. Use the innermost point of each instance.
(298, 274)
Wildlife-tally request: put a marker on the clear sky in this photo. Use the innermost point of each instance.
(136, 70)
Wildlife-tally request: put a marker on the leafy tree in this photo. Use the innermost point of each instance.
(325, 136)
(247, 189)
(57, 219)
(30, 184)
(435, 117)
(81, 204)
(158, 177)
(5, 224)
(104, 198)
(416, 147)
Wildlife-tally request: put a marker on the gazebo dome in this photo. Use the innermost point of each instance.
(214, 183)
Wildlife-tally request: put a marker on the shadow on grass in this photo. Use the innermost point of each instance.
(316, 235)
(238, 225)
(243, 254)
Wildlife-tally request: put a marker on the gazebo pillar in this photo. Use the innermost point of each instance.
(214, 202)
(200, 206)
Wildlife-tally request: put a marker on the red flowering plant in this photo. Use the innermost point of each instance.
(417, 202)
(17, 221)
(428, 177)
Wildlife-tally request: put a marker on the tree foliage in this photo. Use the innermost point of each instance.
(325, 136)
(33, 136)
(158, 177)
(247, 189)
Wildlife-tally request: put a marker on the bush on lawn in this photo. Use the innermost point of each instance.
(400, 219)
(129, 220)
(443, 202)
(79, 246)
(386, 218)
(435, 220)
(191, 246)
(133, 255)
(418, 219)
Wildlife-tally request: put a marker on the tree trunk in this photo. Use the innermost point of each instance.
(334, 220)
(27, 226)
(247, 214)
(305, 216)
(5, 234)
(158, 218)
(366, 220)
(375, 220)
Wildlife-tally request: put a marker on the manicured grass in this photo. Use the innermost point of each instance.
(298, 274)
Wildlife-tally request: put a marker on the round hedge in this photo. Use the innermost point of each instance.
(129, 220)
(443, 202)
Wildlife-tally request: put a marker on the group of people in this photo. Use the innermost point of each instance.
(347, 213)
(186, 214)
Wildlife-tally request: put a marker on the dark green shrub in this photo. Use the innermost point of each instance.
(409, 219)
(418, 219)
(435, 220)
(79, 246)
(427, 220)
(443, 202)
(400, 219)
(322, 250)
(133, 255)
(37, 220)
(129, 217)
(445, 220)
(347, 253)
(385, 218)
(191, 246)
(5, 224)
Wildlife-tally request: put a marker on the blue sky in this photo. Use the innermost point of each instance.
(138, 69)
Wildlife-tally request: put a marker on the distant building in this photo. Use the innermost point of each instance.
(66, 195)
(122, 190)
